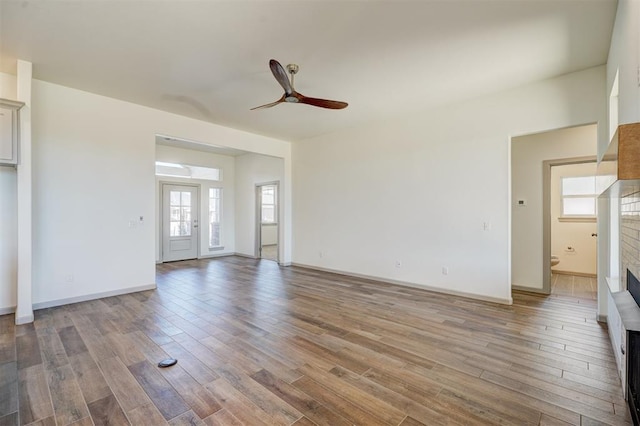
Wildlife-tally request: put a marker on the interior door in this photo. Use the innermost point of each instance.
(267, 229)
(179, 222)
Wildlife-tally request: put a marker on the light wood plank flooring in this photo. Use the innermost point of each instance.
(258, 344)
(574, 285)
(270, 252)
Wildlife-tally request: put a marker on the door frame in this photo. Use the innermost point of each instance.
(161, 185)
(258, 218)
(546, 213)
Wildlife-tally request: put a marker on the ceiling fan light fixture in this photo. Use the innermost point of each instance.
(290, 95)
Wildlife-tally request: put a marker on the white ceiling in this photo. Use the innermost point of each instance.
(209, 59)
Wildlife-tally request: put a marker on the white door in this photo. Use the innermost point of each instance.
(179, 222)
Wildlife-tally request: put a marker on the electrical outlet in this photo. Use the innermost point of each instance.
(320, 254)
(398, 264)
(445, 270)
(69, 278)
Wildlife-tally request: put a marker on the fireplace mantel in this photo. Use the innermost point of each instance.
(619, 167)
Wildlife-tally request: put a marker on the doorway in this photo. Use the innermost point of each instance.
(267, 227)
(531, 159)
(570, 208)
(179, 222)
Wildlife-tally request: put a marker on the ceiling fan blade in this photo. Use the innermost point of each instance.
(281, 75)
(272, 104)
(322, 103)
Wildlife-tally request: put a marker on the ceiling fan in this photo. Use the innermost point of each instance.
(290, 95)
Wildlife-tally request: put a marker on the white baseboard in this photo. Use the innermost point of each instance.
(508, 301)
(24, 320)
(18, 320)
(248, 256)
(529, 289)
(93, 296)
(208, 256)
(7, 311)
(577, 274)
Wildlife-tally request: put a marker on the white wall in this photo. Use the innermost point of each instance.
(624, 58)
(252, 169)
(207, 159)
(419, 188)
(93, 162)
(8, 217)
(624, 55)
(527, 155)
(577, 235)
(8, 239)
(8, 86)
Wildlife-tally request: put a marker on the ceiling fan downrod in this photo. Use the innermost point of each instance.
(293, 70)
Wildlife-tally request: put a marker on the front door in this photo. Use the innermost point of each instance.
(179, 222)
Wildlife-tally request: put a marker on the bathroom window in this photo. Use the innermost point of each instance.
(579, 197)
(269, 204)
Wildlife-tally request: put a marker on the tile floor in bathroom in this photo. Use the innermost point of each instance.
(574, 285)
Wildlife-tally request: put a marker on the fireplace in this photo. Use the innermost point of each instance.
(633, 356)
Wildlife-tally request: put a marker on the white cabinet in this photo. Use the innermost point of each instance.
(9, 131)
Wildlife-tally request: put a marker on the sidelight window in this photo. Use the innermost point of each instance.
(215, 215)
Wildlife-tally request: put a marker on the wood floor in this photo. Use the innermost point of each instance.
(258, 344)
(270, 252)
(574, 285)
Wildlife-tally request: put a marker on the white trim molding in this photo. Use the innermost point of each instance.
(508, 301)
(77, 299)
(8, 310)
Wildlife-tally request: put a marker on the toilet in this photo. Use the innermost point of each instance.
(554, 260)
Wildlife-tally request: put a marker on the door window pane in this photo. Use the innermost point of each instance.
(174, 197)
(174, 229)
(180, 213)
(186, 214)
